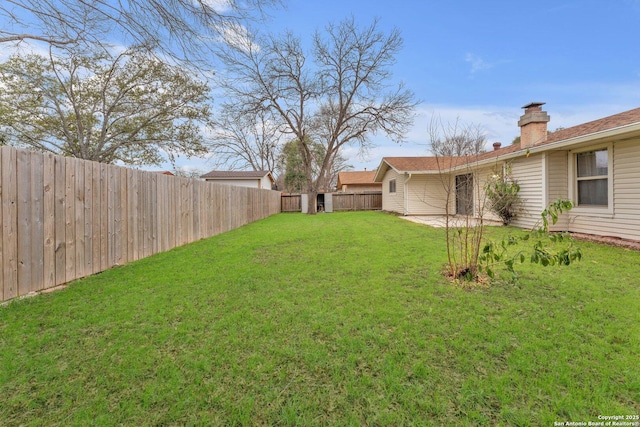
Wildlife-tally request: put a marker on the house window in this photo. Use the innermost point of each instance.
(392, 186)
(593, 178)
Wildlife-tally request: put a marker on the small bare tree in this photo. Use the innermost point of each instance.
(340, 98)
(457, 148)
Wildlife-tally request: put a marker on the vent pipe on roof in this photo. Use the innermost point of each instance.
(496, 146)
(533, 125)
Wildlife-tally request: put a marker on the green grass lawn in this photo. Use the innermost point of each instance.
(333, 319)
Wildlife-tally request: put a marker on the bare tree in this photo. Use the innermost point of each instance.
(183, 29)
(341, 97)
(337, 164)
(457, 148)
(243, 140)
(129, 108)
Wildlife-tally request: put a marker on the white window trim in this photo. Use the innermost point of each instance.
(573, 182)
(545, 181)
(395, 186)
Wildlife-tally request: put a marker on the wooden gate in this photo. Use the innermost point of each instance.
(291, 203)
(370, 201)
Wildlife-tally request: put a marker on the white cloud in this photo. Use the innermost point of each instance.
(238, 36)
(219, 6)
(26, 47)
(477, 63)
(498, 123)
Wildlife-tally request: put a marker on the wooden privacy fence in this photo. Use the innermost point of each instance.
(291, 203)
(357, 201)
(64, 218)
(371, 200)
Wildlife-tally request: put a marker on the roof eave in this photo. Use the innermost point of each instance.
(629, 130)
(383, 167)
(626, 131)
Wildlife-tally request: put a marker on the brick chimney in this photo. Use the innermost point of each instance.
(533, 125)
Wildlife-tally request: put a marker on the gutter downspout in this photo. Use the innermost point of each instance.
(407, 178)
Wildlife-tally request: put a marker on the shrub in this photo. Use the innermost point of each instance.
(502, 194)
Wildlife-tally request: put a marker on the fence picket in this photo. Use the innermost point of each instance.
(123, 217)
(88, 218)
(24, 226)
(80, 239)
(96, 218)
(104, 217)
(49, 223)
(9, 222)
(60, 209)
(36, 181)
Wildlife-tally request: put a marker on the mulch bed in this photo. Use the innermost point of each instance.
(608, 240)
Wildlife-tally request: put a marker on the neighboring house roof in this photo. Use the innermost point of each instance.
(356, 178)
(237, 175)
(625, 122)
(163, 172)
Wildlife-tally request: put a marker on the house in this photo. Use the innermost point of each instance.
(253, 179)
(596, 165)
(358, 182)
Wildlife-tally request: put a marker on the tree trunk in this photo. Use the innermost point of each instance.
(312, 202)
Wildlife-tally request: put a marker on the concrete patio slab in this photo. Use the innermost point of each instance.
(439, 221)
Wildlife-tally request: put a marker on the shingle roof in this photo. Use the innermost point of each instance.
(415, 164)
(235, 174)
(356, 177)
(430, 163)
(606, 123)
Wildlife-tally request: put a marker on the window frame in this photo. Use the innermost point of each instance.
(392, 184)
(574, 179)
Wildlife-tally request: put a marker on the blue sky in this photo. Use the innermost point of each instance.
(482, 61)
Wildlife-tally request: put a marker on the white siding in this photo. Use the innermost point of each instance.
(265, 183)
(481, 178)
(528, 171)
(251, 183)
(427, 195)
(393, 202)
(625, 220)
(360, 188)
(557, 184)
